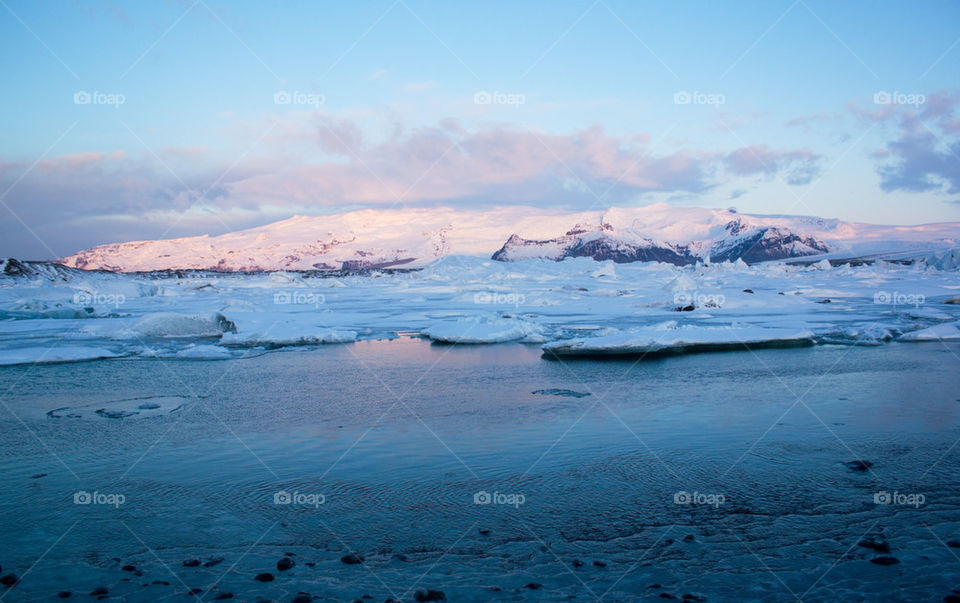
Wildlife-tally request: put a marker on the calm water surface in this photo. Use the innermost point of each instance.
(402, 441)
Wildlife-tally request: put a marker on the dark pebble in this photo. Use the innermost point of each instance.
(311, 564)
(352, 559)
(858, 465)
(129, 568)
(953, 544)
(302, 599)
(654, 586)
(689, 538)
(483, 531)
(952, 599)
(429, 595)
(9, 580)
(64, 594)
(533, 585)
(223, 596)
(285, 563)
(196, 591)
(100, 590)
(213, 561)
(667, 596)
(161, 582)
(191, 563)
(38, 475)
(748, 290)
(599, 563)
(877, 543)
(693, 597)
(885, 560)
(264, 577)
(577, 563)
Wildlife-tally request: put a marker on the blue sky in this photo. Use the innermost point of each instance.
(557, 104)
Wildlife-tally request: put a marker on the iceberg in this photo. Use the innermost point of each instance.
(170, 324)
(685, 339)
(949, 331)
(484, 330)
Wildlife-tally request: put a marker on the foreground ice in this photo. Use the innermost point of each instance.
(670, 338)
(574, 306)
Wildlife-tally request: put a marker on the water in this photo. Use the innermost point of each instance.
(398, 438)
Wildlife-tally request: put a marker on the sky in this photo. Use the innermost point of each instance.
(142, 120)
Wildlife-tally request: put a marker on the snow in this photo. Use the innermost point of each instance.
(415, 237)
(571, 306)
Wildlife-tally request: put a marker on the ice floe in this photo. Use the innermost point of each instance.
(574, 306)
(655, 340)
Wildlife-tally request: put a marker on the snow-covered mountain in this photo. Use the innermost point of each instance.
(738, 241)
(409, 238)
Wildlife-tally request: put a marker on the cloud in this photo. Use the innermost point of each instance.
(319, 163)
(924, 156)
(800, 166)
(806, 120)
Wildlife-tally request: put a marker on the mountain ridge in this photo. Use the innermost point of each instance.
(411, 238)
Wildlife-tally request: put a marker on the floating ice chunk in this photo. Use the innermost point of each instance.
(681, 283)
(945, 260)
(869, 335)
(204, 352)
(484, 329)
(949, 331)
(27, 309)
(656, 341)
(821, 265)
(169, 324)
(289, 334)
(606, 269)
(40, 355)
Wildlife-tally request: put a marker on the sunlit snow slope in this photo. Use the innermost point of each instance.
(408, 238)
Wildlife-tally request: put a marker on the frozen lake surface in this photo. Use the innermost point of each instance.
(117, 472)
